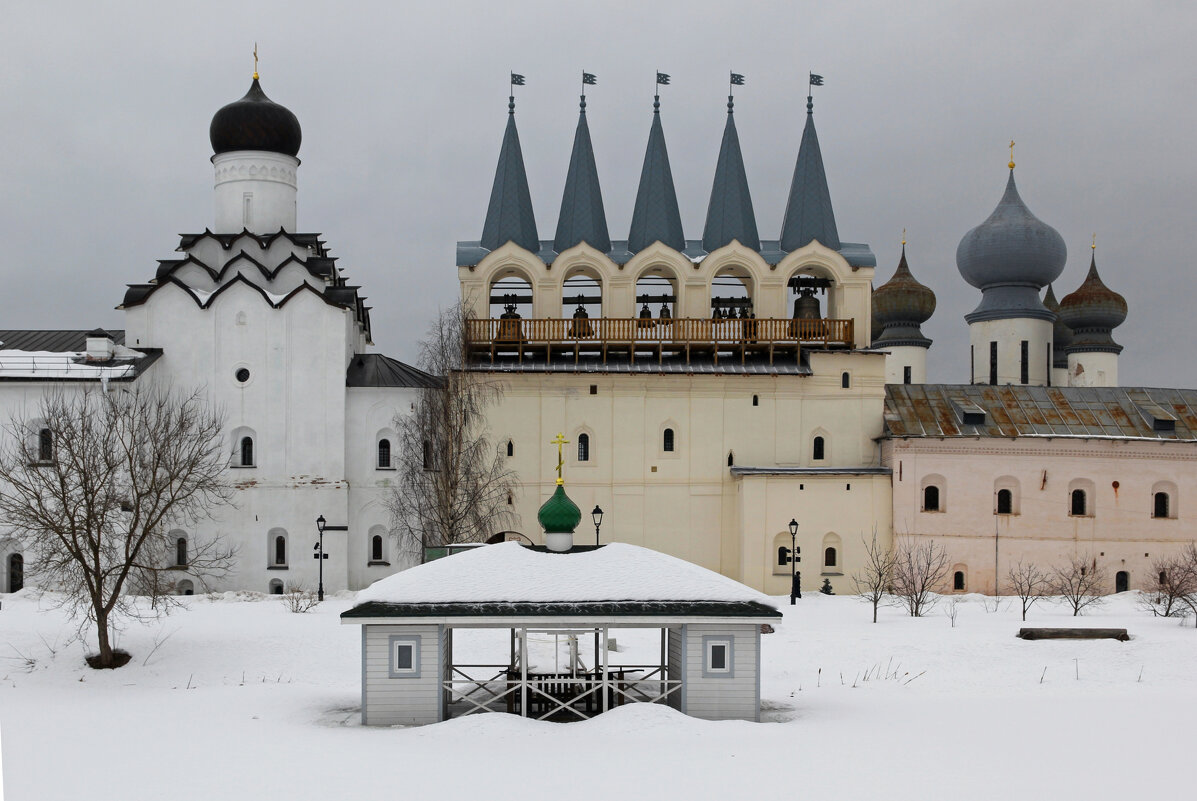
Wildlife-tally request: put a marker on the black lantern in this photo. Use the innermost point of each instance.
(320, 556)
(795, 590)
(597, 517)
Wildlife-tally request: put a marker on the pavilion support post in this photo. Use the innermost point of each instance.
(606, 674)
(524, 672)
(663, 676)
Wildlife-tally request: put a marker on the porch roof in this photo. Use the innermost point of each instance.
(575, 610)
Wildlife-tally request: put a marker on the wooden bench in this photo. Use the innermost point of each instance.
(1073, 634)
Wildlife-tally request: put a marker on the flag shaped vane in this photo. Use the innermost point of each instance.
(662, 79)
(816, 80)
(737, 79)
(589, 78)
(517, 79)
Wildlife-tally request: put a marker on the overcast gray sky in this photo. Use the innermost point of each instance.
(104, 145)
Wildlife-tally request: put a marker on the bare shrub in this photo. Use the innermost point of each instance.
(299, 599)
(920, 567)
(1028, 582)
(876, 576)
(1079, 583)
(1175, 593)
(952, 609)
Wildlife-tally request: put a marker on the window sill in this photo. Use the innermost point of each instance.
(373, 563)
(276, 567)
(1082, 516)
(831, 573)
(933, 511)
(178, 567)
(389, 469)
(242, 466)
(1006, 514)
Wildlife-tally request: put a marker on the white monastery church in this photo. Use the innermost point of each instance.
(712, 389)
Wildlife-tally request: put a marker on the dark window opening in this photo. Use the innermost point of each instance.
(667, 444)
(1121, 581)
(817, 449)
(280, 550)
(731, 459)
(845, 380)
(1005, 502)
(594, 389)
(718, 657)
(376, 548)
(958, 580)
(829, 557)
(181, 551)
(756, 400)
(931, 499)
(1078, 503)
(583, 447)
(427, 454)
(1163, 578)
(276, 587)
(384, 453)
(993, 371)
(510, 448)
(1024, 364)
(16, 572)
(45, 446)
(1160, 506)
(906, 374)
(242, 375)
(783, 555)
(247, 451)
(1049, 364)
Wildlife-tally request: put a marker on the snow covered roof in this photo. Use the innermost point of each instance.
(23, 365)
(508, 578)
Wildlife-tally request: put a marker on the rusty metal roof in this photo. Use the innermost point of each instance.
(941, 410)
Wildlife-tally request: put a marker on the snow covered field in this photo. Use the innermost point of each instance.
(244, 700)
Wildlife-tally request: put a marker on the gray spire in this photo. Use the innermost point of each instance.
(656, 217)
(729, 214)
(509, 216)
(582, 218)
(808, 211)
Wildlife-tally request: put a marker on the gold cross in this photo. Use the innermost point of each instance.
(1094, 245)
(1011, 154)
(559, 441)
(903, 237)
(255, 61)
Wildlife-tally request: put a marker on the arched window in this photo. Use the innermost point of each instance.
(510, 448)
(185, 587)
(829, 557)
(376, 548)
(817, 450)
(1160, 505)
(247, 451)
(583, 447)
(45, 445)
(16, 572)
(1121, 581)
(731, 459)
(958, 581)
(831, 552)
(667, 441)
(181, 551)
(930, 498)
(276, 587)
(845, 380)
(1005, 502)
(783, 555)
(280, 549)
(1163, 578)
(384, 453)
(427, 454)
(1077, 506)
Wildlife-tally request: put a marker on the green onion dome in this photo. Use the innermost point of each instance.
(559, 515)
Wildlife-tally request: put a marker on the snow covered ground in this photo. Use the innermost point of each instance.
(245, 700)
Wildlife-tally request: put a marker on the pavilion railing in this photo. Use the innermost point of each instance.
(697, 331)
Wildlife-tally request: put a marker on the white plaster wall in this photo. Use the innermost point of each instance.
(1092, 369)
(1009, 334)
(901, 357)
(1120, 533)
(256, 190)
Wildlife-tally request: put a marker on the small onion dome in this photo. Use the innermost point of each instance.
(1011, 257)
(900, 306)
(559, 515)
(1092, 311)
(1061, 334)
(255, 122)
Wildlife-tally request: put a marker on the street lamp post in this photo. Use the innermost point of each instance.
(795, 590)
(597, 517)
(320, 555)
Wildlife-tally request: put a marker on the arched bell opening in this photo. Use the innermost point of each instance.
(656, 296)
(510, 301)
(732, 293)
(812, 301)
(582, 302)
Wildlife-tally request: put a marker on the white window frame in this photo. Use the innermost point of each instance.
(394, 643)
(709, 643)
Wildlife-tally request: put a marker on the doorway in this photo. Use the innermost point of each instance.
(1121, 581)
(16, 572)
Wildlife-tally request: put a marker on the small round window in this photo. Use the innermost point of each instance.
(242, 375)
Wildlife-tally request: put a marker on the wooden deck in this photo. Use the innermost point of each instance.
(631, 338)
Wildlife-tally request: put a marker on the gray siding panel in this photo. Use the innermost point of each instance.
(390, 701)
(723, 698)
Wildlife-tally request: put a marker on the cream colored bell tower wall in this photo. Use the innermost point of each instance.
(1009, 335)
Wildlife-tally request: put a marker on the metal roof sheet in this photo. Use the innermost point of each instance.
(574, 609)
(376, 370)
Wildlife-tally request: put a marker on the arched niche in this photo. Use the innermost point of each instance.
(582, 298)
(661, 261)
(658, 291)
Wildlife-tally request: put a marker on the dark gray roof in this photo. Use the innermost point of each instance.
(855, 253)
(808, 210)
(729, 213)
(940, 410)
(612, 608)
(376, 370)
(582, 218)
(56, 341)
(656, 217)
(509, 216)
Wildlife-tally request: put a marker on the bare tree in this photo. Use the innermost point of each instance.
(453, 484)
(92, 489)
(874, 581)
(1079, 583)
(1175, 594)
(1028, 582)
(920, 567)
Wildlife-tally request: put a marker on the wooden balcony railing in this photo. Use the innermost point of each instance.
(657, 337)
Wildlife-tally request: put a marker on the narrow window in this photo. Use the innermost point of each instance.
(731, 459)
(845, 380)
(718, 656)
(510, 448)
(45, 446)
(1161, 505)
(1163, 578)
(404, 656)
(280, 550)
(958, 580)
(931, 498)
(829, 557)
(1005, 502)
(906, 374)
(594, 389)
(756, 400)
(247, 451)
(247, 206)
(376, 548)
(667, 444)
(427, 454)
(1024, 364)
(181, 551)
(1049, 364)
(783, 555)
(583, 447)
(817, 450)
(972, 360)
(993, 373)
(384, 453)
(1078, 503)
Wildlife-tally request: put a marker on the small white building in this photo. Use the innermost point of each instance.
(710, 629)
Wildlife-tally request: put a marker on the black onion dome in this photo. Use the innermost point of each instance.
(1013, 246)
(900, 306)
(1061, 334)
(1092, 311)
(255, 122)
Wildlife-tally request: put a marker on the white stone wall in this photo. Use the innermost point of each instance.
(256, 190)
(1010, 334)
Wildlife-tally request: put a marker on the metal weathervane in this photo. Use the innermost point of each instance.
(516, 80)
(736, 80)
(255, 61)
(815, 80)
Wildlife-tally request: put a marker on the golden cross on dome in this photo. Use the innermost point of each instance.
(255, 61)
(1011, 154)
(559, 441)
(1094, 245)
(903, 237)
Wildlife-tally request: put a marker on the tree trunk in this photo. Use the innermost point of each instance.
(105, 657)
